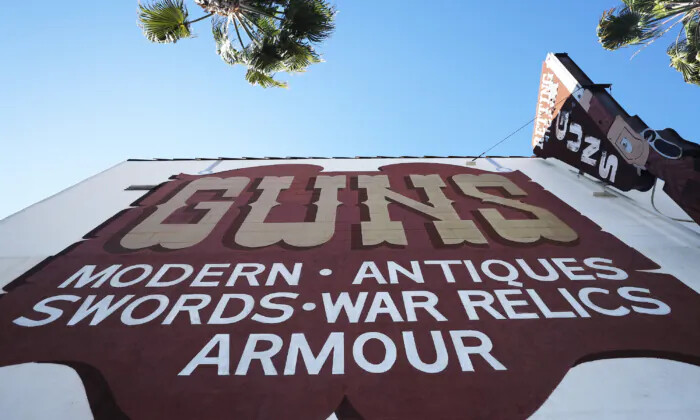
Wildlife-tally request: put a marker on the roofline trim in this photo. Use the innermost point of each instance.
(321, 158)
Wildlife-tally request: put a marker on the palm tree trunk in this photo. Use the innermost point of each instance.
(260, 12)
(197, 20)
(253, 22)
(245, 28)
(235, 25)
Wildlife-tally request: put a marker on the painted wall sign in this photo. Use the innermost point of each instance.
(418, 291)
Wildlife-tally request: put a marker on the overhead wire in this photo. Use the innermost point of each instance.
(525, 125)
(653, 204)
(653, 191)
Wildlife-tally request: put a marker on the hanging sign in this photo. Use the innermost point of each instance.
(565, 129)
(580, 123)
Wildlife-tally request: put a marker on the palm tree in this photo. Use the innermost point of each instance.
(641, 22)
(266, 36)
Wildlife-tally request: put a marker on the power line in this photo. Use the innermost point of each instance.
(525, 125)
(653, 204)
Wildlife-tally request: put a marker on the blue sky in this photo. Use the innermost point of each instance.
(83, 90)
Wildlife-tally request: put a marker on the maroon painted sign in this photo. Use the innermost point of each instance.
(418, 291)
(581, 124)
(573, 126)
(576, 140)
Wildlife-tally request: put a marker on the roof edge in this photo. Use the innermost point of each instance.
(320, 157)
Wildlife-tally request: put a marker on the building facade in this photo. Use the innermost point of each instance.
(374, 288)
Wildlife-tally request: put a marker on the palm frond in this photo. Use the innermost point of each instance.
(684, 58)
(646, 21)
(623, 27)
(310, 19)
(641, 6)
(164, 21)
(667, 8)
(266, 57)
(224, 48)
(265, 24)
(692, 30)
(255, 77)
(297, 55)
(274, 35)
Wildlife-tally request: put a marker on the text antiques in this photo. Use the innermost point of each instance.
(492, 289)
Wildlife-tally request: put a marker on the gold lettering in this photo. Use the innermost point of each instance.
(545, 225)
(152, 231)
(256, 233)
(380, 228)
